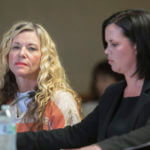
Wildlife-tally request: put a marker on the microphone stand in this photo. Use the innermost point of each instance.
(29, 95)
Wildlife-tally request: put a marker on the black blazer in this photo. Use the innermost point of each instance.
(94, 127)
(145, 146)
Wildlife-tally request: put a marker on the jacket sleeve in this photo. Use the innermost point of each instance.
(78, 135)
(134, 138)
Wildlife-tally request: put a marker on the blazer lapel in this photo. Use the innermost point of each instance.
(143, 99)
(115, 98)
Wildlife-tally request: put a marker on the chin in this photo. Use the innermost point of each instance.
(21, 74)
(116, 70)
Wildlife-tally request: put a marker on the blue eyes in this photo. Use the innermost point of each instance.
(19, 47)
(15, 47)
(32, 48)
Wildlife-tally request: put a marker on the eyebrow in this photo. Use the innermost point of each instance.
(34, 44)
(15, 43)
(27, 44)
(109, 40)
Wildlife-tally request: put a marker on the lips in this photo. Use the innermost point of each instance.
(110, 61)
(20, 64)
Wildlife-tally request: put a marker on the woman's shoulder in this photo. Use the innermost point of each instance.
(68, 106)
(63, 98)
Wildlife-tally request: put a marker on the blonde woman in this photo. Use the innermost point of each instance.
(30, 63)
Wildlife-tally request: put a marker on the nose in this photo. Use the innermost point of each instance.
(107, 50)
(23, 51)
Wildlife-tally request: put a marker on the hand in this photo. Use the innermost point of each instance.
(91, 147)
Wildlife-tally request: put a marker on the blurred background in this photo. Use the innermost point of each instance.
(75, 27)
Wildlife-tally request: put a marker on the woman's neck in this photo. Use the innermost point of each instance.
(26, 84)
(134, 86)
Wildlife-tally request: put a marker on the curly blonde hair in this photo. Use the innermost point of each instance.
(51, 76)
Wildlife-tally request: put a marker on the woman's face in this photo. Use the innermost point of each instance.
(25, 54)
(120, 51)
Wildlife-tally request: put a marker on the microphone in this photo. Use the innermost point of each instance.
(29, 95)
(7, 106)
